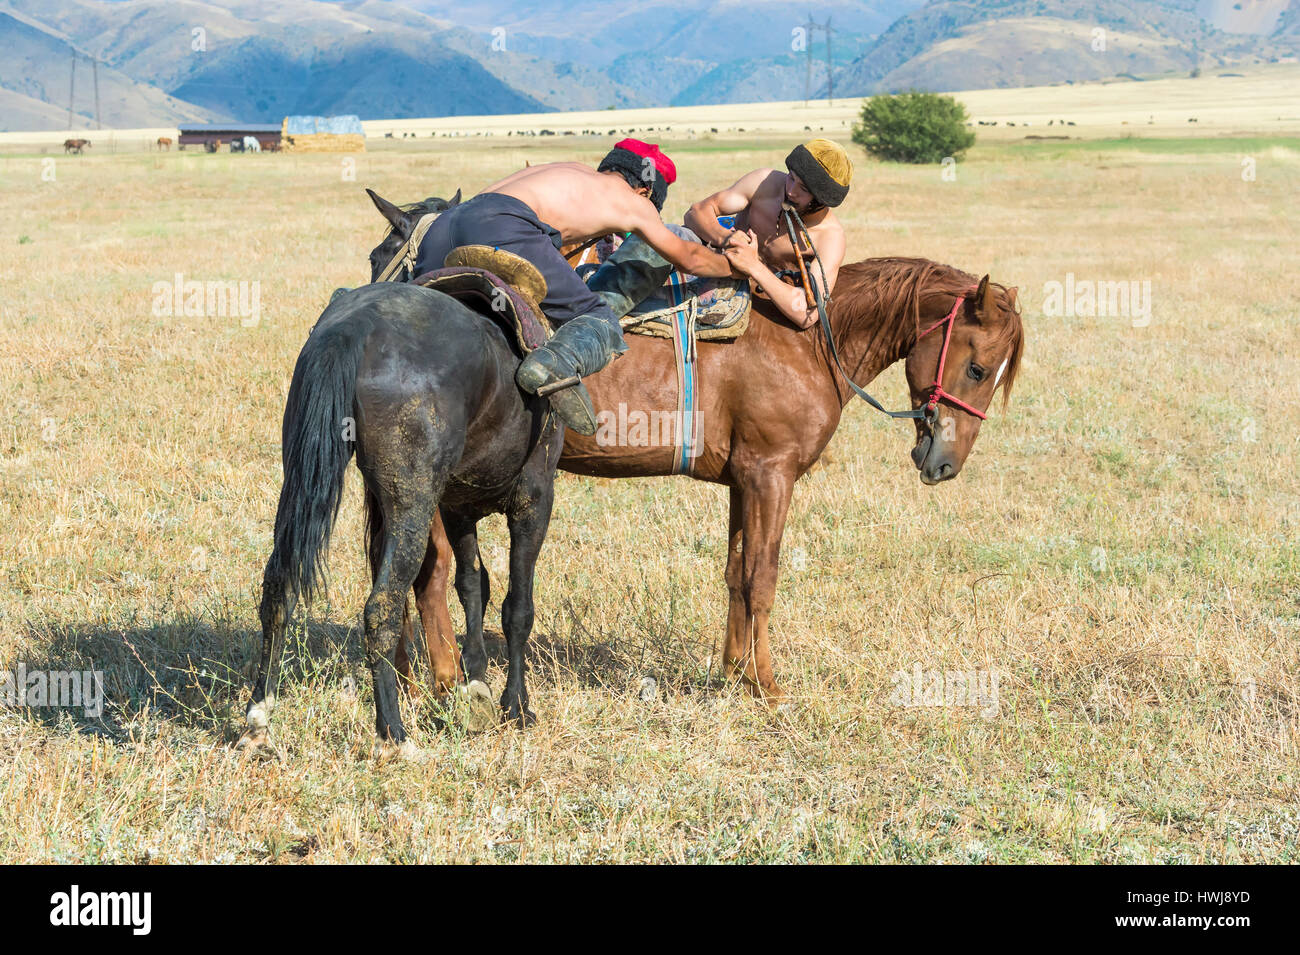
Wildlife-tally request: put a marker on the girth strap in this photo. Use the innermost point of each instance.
(684, 351)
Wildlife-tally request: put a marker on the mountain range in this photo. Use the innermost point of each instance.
(163, 62)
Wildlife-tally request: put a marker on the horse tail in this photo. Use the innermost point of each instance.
(319, 438)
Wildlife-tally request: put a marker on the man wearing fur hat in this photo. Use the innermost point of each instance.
(817, 180)
(531, 213)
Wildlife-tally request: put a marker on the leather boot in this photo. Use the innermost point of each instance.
(632, 273)
(581, 346)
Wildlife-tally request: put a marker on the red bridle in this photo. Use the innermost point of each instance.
(937, 393)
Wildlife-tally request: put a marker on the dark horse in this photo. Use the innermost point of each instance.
(422, 388)
(772, 399)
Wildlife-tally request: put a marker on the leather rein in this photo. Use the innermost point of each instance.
(930, 410)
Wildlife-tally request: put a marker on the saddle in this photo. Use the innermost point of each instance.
(717, 309)
(714, 309)
(500, 286)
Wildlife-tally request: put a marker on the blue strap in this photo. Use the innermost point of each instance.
(682, 333)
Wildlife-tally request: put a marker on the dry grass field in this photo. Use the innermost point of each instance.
(1120, 550)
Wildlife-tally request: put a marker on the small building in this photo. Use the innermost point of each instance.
(323, 134)
(201, 134)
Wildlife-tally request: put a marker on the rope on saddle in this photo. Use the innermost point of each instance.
(818, 295)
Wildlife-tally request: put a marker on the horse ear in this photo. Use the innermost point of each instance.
(454, 200)
(395, 216)
(1011, 296)
(985, 303)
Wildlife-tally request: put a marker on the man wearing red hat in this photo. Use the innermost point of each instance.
(531, 213)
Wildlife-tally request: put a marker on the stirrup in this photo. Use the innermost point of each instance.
(570, 400)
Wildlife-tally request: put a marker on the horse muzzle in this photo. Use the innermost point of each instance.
(933, 461)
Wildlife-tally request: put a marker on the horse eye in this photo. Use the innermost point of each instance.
(976, 372)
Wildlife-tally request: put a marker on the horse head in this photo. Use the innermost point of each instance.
(401, 220)
(978, 350)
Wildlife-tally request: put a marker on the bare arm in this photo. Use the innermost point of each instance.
(687, 256)
(792, 301)
(702, 217)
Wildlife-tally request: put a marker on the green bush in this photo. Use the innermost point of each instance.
(913, 127)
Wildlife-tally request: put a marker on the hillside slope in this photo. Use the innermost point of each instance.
(984, 44)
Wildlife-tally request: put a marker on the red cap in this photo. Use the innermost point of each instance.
(663, 164)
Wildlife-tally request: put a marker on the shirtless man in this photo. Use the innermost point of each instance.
(818, 177)
(531, 213)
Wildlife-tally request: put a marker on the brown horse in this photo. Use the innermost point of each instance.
(75, 146)
(770, 402)
(164, 143)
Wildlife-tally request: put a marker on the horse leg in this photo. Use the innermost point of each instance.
(278, 600)
(733, 648)
(402, 658)
(528, 526)
(765, 503)
(472, 588)
(431, 600)
(375, 539)
(407, 519)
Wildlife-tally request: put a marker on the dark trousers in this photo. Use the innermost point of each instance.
(504, 222)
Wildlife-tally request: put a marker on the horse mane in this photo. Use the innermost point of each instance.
(887, 295)
(424, 206)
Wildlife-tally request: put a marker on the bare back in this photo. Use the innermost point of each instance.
(572, 197)
(583, 203)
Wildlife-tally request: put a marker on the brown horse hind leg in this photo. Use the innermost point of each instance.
(764, 504)
(431, 600)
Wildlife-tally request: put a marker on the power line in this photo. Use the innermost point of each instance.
(810, 27)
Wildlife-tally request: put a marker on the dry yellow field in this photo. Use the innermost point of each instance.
(1119, 552)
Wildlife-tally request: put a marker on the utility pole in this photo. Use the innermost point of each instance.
(810, 27)
(808, 55)
(94, 72)
(830, 73)
(72, 87)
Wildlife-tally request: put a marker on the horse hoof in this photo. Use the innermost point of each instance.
(406, 751)
(476, 710)
(256, 744)
(521, 717)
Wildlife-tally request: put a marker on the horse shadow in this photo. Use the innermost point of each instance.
(191, 673)
(194, 673)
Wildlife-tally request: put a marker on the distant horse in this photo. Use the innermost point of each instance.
(212, 145)
(772, 399)
(422, 388)
(75, 146)
(164, 143)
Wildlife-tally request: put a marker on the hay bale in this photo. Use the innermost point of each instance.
(323, 134)
(325, 143)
